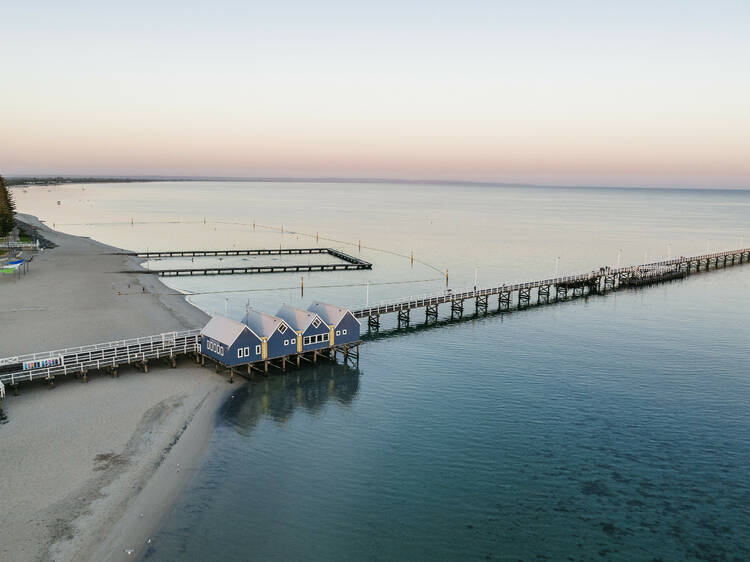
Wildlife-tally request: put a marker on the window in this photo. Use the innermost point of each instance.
(282, 328)
(286, 342)
(316, 323)
(215, 347)
(338, 332)
(239, 353)
(247, 352)
(257, 350)
(294, 340)
(325, 337)
(343, 332)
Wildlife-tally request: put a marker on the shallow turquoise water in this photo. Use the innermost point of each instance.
(616, 427)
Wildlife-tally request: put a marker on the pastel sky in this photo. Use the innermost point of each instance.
(647, 93)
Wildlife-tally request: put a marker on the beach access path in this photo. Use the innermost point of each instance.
(89, 471)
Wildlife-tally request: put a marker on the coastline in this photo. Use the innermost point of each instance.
(90, 471)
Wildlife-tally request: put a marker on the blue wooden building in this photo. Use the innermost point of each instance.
(230, 342)
(343, 326)
(312, 331)
(278, 338)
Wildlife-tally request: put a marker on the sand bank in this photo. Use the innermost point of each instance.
(90, 470)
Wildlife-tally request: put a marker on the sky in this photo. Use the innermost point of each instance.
(629, 93)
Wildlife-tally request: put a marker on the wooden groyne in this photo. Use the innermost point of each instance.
(350, 262)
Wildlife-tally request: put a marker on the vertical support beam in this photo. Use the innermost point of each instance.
(481, 304)
(542, 294)
(373, 322)
(503, 301)
(431, 313)
(457, 308)
(524, 297)
(403, 319)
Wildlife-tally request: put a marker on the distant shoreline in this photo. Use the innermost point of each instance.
(31, 181)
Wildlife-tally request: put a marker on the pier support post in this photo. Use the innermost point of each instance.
(265, 367)
(431, 313)
(231, 375)
(457, 309)
(403, 320)
(481, 304)
(542, 294)
(504, 301)
(373, 322)
(51, 381)
(524, 297)
(561, 292)
(84, 375)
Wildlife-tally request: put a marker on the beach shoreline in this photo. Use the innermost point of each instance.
(91, 470)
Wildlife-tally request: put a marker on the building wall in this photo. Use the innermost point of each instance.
(228, 355)
(280, 344)
(311, 332)
(350, 325)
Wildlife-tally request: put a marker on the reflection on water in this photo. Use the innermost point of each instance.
(278, 397)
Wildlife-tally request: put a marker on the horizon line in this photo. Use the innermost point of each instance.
(103, 178)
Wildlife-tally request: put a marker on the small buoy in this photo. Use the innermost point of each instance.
(140, 515)
(129, 551)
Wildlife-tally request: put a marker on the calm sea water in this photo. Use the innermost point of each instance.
(612, 428)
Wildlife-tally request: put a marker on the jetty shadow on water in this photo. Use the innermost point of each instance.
(279, 396)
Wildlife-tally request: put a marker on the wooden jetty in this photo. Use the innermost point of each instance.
(350, 262)
(139, 352)
(522, 295)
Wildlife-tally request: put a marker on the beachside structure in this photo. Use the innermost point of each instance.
(278, 338)
(229, 342)
(312, 331)
(344, 327)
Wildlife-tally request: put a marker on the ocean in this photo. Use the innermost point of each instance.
(613, 427)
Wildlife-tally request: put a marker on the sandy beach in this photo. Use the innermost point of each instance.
(90, 470)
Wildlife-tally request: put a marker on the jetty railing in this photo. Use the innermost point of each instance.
(603, 277)
(47, 364)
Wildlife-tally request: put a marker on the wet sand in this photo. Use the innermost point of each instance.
(90, 470)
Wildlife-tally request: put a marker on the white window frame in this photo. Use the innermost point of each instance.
(325, 337)
(282, 328)
(247, 351)
(294, 341)
(286, 342)
(240, 353)
(338, 332)
(257, 350)
(316, 323)
(343, 332)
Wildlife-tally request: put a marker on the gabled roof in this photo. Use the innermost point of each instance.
(262, 324)
(297, 318)
(331, 314)
(223, 329)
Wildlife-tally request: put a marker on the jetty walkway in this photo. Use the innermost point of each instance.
(521, 295)
(78, 361)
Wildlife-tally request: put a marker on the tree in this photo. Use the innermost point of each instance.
(7, 209)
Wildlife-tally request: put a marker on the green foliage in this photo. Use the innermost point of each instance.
(7, 209)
